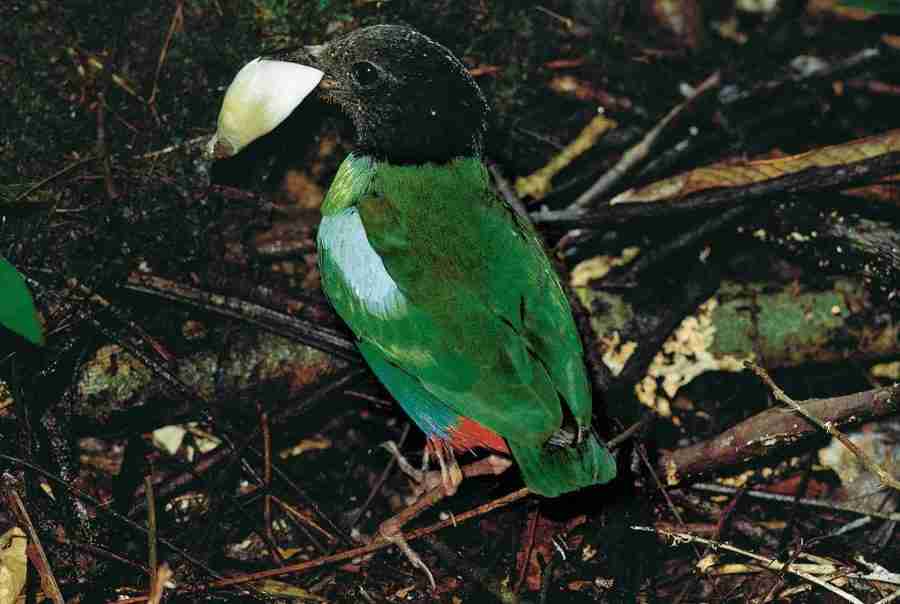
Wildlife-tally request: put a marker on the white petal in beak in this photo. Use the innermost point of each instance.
(261, 96)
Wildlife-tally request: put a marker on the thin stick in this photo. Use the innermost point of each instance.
(662, 489)
(804, 501)
(770, 564)
(161, 577)
(191, 142)
(637, 153)
(378, 545)
(868, 463)
(53, 176)
(103, 148)
(355, 552)
(630, 431)
(381, 480)
(102, 508)
(152, 556)
(273, 321)
(507, 191)
(267, 481)
(36, 552)
(891, 598)
(177, 20)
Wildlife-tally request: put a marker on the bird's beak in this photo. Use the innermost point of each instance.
(263, 94)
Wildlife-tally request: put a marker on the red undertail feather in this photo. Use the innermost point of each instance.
(469, 434)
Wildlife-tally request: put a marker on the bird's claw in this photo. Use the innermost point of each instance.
(449, 476)
(391, 533)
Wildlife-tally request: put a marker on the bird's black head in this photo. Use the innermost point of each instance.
(410, 99)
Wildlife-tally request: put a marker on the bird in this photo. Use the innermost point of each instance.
(450, 293)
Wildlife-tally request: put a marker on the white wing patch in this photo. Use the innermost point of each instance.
(344, 238)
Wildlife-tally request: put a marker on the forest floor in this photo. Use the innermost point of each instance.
(196, 386)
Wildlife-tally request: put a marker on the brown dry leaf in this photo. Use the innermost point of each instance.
(302, 190)
(540, 552)
(484, 70)
(835, 8)
(160, 582)
(565, 63)
(746, 173)
(542, 548)
(316, 443)
(282, 589)
(888, 191)
(13, 564)
(683, 18)
(584, 90)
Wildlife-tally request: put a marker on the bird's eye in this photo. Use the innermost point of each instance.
(364, 73)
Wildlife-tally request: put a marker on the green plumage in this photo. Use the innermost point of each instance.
(463, 310)
(451, 295)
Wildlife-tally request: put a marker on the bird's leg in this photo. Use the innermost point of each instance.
(407, 468)
(451, 475)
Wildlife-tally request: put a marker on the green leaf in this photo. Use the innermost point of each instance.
(884, 7)
(17, 311)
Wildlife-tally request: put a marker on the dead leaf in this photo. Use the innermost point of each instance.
(834, 8)
(302, 190)
(599, 266)
(13, 564)
(537, 185)
(160, 582)
(286, 590)
(584, 90)
(745, 173)
(316, 443)
(539, 548)
(683, 18)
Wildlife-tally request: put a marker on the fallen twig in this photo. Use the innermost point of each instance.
(158, 583)
(819, 178)
(378, 545)
(640, 151)
(376, 488)
(766, 432)
(270, 320)
(870, 464)
(804, 501)
(355, 552)
(191, 142)
(152, 557)
(103, 148)
(35, 550)
(53, 176)
(537, 185)
(507, 191)
(102, 509)
(176, 23)
(770, 564)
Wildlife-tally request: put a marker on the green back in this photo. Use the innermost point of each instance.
(487, 326)
(479, 317)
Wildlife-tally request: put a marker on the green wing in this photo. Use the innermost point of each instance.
(485, 325)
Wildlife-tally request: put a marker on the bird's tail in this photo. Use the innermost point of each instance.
(551, 470)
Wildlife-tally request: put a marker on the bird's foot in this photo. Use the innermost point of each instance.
(392, 529)
(445, 483)
(449, 476)
(389, 531)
